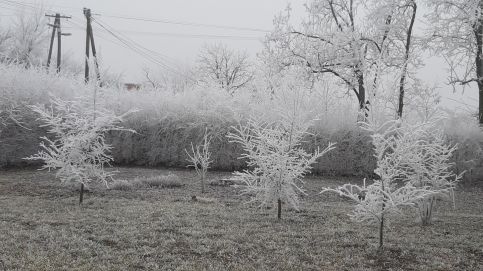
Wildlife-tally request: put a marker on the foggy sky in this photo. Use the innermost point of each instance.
(179, 45)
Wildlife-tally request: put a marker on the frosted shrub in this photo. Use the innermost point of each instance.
(430, 166)
(200, 157)
(401, 156)
(77, 148)
(275, 158)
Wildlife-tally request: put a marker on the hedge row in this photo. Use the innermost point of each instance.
(168, 123)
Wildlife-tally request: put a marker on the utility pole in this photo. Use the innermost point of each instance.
(90, 44)
(56, 28)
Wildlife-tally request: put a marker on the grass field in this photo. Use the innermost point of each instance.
(42, 227)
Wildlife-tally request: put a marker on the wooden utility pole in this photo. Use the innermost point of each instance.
(90, 44)
(56, 28)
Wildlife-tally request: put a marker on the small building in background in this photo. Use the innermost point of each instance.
(132, 86)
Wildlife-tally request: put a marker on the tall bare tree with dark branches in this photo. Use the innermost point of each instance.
(224, 66)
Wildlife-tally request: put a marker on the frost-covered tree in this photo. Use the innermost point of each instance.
(228, 68)
(425, 104)
(401, 156)
(27, 39)
(430, 166)
(275, 158)
(327, 43)
(200, 157)
(77, 149)
(455, 28)
(406, 16)
(355, 42)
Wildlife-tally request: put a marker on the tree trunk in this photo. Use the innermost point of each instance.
(381, 224)
(361, 90)
(381, 231)
(361, 97)
(478, 29)
(427, 211)
(202, 185)
(81, 196)
(279, 211)
(402, 82)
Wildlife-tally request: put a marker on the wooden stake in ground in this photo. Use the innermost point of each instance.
(279, 213)
(81, 196)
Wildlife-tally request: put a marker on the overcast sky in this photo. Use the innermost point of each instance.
(188, 25)
(175, 42)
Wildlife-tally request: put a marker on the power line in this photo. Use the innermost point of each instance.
(6, 6)
(77, 25)
(186, 23)
(126, 42)
(36, 5)
(137, 45)
(24, 5)
(17, 4)
(460, 102)
(18, 7)
(135, 18)
(101, 36)
(197, 36)
(139, 49)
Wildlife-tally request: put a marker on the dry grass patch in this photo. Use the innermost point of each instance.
(43, 228)
(160, 181)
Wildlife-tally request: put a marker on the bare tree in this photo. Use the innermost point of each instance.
(151, 80)
(174, 81)
(224, 66)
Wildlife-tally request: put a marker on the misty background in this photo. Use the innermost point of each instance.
(175, 31)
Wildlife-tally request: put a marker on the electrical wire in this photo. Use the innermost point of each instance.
(196, 36)
(76, 25)
(186, 23)
(23, 8)
(130, 41)
(160, 55)
(9, 7)
(135, 18)
(139, 49)
(461, 102)
(35, 6)
(124, 41)
(166, 34)
(125, 44)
